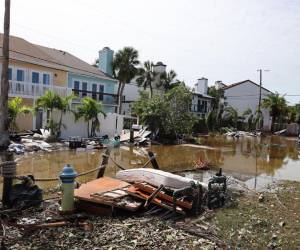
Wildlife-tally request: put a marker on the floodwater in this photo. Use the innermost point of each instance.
(255, 161)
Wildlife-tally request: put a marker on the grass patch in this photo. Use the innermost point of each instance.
(272, 223)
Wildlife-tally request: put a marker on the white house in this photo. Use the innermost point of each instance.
(201, 102)
(244, 95)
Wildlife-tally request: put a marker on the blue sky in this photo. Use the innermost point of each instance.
(220, 40)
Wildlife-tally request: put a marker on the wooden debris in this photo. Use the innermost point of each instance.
(106, 191)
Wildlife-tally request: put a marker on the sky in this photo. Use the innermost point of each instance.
(224, 40)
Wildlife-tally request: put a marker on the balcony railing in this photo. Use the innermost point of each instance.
(105, 98)
(31, 90)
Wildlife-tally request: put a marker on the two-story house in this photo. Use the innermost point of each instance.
(34, 69)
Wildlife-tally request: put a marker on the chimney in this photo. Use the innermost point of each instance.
(105, 60)
(159, 67)
(201, 86)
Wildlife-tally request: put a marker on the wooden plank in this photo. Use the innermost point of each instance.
(140, 194)
(149, 189)
(100, 185)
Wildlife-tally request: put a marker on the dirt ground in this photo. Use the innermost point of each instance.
(262, 221)
(250, 220)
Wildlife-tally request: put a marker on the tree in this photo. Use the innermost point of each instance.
(124, 69)
(15, 108)
(217, 94)
(4, 120)
(211, 120)
(64, 105)
(96, 63)
(230, 116)
(277, 107)
(89, 111)
(168, 80)
(146, 76)
(168, 116)
(248, 118)
(48, 102)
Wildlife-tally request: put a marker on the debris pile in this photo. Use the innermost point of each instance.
(152, 191)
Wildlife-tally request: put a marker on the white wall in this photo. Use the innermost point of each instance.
(79, 128)
(244, 96)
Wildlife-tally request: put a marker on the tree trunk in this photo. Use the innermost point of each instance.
(151, 90)
(60, 124)
(120, 98)
(88, 129)
(4, 122)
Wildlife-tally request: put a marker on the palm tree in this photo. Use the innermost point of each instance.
(124, 69)
(146, 76)
(231, 115)
(64, 106)
(167, 80)
(48, 102)
(248, 118)
(253, 120)
(4, 121)
(277, 107)
(89, 111)
(15, 108)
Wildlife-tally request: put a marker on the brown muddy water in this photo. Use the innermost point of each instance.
(255, 161)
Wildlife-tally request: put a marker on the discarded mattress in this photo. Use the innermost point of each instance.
(156, 178)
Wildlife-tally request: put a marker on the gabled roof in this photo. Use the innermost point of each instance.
(242, 82)
(25, 51)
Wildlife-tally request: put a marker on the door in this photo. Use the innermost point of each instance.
(39, 119)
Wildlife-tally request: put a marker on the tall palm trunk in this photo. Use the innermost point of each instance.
(4, 122)
(120, 103)
(151, 90)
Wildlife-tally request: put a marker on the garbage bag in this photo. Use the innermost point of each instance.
(25, 194)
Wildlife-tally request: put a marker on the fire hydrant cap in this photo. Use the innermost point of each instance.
(68, 172)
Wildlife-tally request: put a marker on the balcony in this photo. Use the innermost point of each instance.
(105, 98)
(32, 90)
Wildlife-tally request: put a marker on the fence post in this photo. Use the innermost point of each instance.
(104, 163)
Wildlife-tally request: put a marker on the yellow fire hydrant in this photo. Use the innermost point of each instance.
(67, 177)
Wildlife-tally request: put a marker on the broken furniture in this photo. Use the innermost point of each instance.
(103, 195)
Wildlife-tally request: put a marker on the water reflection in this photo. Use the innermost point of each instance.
(248, 159)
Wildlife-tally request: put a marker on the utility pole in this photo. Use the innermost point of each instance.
(4, 135)
(260, 86)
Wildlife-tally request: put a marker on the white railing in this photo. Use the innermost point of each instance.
(31, 90)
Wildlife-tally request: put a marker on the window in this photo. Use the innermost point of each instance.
(20, 75)
(84, 89)
(101, 90)
(9, 73)
(76, 88)
(94, 91)
(46, 79)
(35, 76)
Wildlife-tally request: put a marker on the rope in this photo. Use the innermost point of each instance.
(117, 164)
(55, 178)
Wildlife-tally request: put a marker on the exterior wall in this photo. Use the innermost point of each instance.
(110, 87)
(111, 125)
(244, 96)
(57, 78)
(60, 77)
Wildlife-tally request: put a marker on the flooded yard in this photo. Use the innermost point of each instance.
(255, 161)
